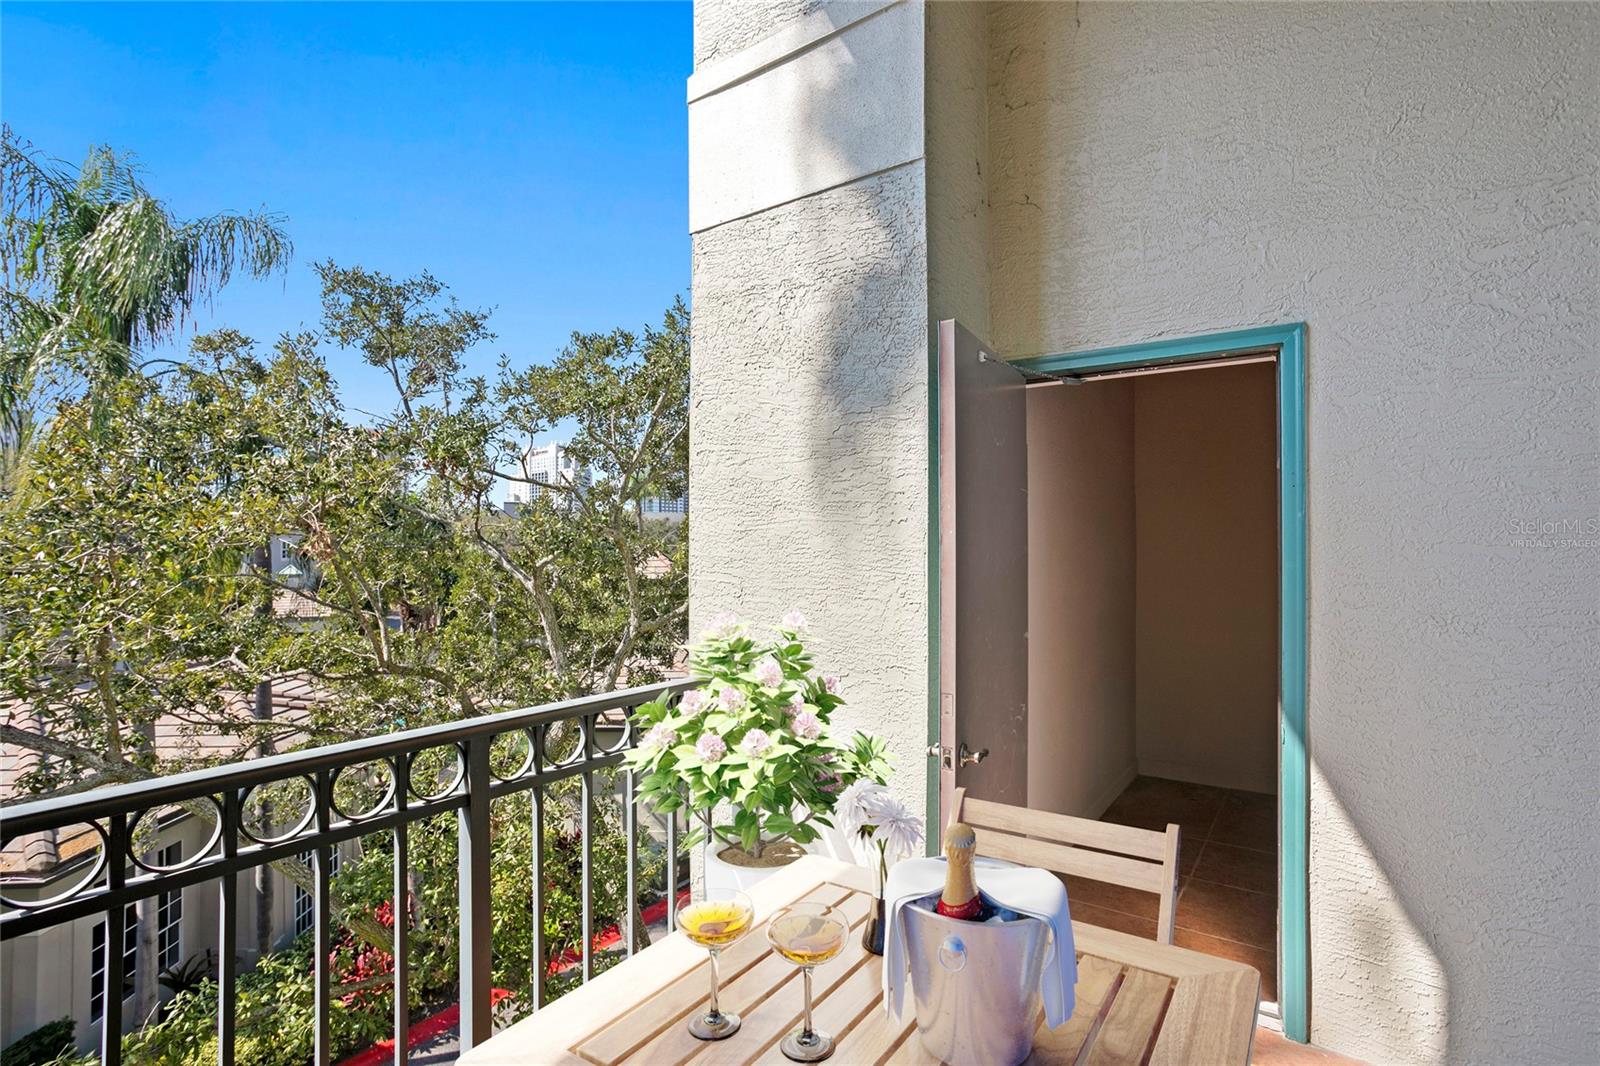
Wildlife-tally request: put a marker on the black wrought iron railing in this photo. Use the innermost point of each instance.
(396, 780)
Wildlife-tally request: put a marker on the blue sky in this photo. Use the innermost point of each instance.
(532, 156)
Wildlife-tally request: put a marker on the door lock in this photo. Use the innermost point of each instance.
(966, 755)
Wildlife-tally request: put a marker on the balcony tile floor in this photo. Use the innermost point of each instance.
(1271, 1049)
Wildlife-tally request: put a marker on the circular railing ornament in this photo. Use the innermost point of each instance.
(97, 867)
(262, 834)
(378, 806)
(435, 760)
(204, 852)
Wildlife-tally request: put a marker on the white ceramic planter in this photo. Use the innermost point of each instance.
(724, 879)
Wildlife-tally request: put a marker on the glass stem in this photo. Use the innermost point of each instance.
(806, 1033)
(714, 1013)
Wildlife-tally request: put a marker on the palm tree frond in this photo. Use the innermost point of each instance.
(95, 268)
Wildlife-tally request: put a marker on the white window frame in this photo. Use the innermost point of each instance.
(305, 914)
(169, 913)
(97, 960)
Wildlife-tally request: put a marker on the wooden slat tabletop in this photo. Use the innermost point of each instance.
(1137, 1001)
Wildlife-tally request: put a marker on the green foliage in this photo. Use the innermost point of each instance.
(579, 553)
(275, 1005)
(189, 974)
(275, 1009)
(411, 329)
(44, 1045)
(122, 549)
(136, 592)
(132, 536)
(365, 887)
(96, 269)
(562, 855)
(754, 737)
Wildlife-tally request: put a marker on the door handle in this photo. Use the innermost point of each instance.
(967, 756)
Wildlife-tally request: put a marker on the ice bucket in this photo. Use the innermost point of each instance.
(976, 984)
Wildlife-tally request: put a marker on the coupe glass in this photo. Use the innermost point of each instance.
(715, 924)
(807, 934)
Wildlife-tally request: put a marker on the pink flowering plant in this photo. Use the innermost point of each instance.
(752, 738)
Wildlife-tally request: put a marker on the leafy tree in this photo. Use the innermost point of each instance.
(579, 554)
(135, 596)
(137, 599)
(97, 270)
(122, 599)
(628, 395)
(125, 611)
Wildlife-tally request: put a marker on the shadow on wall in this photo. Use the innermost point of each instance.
(861, 320)
(810, 407)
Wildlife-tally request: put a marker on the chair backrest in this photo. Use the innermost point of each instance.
(1142, 859)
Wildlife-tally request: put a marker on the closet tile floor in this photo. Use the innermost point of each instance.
(1227, 873)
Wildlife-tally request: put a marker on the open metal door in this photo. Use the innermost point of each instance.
(983, 573)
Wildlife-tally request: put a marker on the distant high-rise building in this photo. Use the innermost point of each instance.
(671, 508)
(548, 464)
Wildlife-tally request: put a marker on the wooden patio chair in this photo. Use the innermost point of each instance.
(1142, 859)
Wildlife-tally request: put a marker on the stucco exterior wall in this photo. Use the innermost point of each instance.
(831, 99)
(957, 105)
(46, 975)
(721, 29)
(809, 418)
(1416, 182)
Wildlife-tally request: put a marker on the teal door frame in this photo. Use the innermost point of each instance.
(1288, 343)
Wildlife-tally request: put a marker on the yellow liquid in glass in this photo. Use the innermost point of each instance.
(805, 939)
(715, 923)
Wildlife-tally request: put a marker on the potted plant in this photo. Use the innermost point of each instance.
(751, 752)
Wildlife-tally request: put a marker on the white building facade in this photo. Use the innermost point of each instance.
(60, 972)
(543, 466)
(667, 508)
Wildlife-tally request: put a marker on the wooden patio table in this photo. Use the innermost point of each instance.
(1137, 1001)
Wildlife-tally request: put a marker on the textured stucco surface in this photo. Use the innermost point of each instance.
(821, 117)
(809, 440)
(1416, 182)
(724, 27)
(957, 100)
(809, 417)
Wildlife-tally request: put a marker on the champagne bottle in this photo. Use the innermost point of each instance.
(960, 898)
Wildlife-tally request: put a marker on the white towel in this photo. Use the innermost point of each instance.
(1026, 890)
